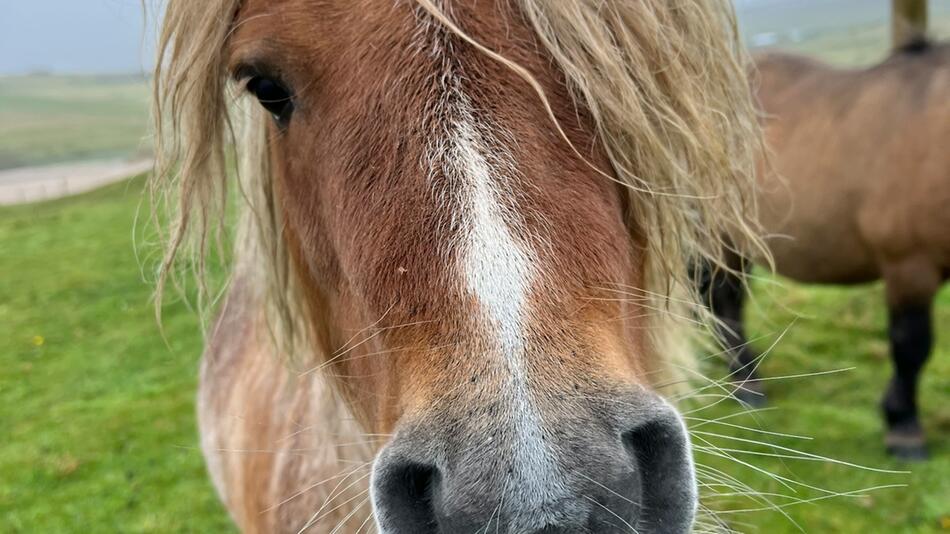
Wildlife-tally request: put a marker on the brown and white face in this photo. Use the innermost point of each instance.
(454, 250)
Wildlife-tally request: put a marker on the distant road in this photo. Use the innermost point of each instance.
(32, 184)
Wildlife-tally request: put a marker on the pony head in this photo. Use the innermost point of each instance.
(471, 216)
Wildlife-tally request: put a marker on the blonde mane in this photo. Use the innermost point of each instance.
(664, 80)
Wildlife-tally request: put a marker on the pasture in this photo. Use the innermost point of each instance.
(99, 409)
(98, 416)
(53, 119)
(98, 405)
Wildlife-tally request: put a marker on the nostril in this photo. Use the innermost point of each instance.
(417, 480)
(646, 441)
(668, 487)
(402, 496)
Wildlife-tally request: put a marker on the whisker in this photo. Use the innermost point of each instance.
(611, 512)
(605, 487)
(332, 496)
(350, 515)
(313, 486)
(804, 454)
(856, 493)
(369, 517)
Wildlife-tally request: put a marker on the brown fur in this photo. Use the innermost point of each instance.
(861, 179)
(394, 265)
(353, 219)
(266, 429)
(858, 189)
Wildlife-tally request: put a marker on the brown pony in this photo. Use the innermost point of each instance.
(450, 303)
(860, 191)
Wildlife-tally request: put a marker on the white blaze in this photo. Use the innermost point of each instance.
(497, 270)
(495, 265)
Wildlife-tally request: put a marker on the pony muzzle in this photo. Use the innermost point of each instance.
(637, 478)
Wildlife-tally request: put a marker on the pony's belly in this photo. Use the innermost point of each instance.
(813, 234)
(840, 258)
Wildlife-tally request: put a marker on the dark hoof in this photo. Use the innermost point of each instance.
(909, 453)
(907, 446)
(750, 394)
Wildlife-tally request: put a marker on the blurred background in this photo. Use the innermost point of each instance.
(96, 404)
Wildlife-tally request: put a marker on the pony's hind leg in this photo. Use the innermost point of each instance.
(725, 293)
(911, 286)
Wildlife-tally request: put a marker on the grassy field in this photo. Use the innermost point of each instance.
(98, 412)
(840, 331)
(51, 119)
(99, 418)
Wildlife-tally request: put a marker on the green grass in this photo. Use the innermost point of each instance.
(49, 119)
(821, 329)
(824, 329)
(98, 412)
(98, 418)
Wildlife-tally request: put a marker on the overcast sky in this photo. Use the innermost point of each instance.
(99, 36)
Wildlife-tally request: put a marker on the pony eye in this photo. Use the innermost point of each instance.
(274, 96)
